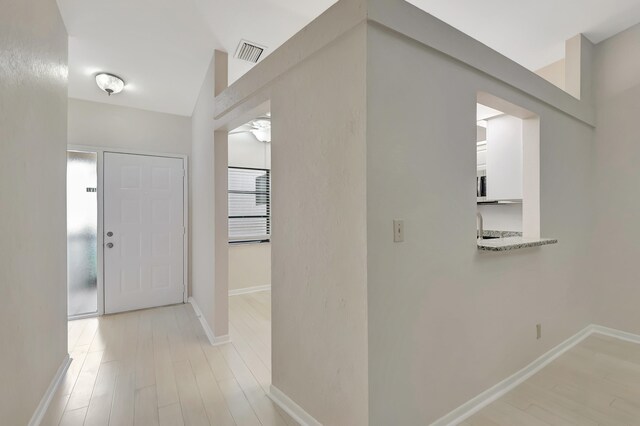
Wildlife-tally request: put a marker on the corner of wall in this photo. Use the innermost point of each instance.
(209, 262)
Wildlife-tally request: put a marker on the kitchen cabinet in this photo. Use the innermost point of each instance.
(504, 158)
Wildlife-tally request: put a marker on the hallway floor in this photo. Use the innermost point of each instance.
(156, 367)
(595, 383)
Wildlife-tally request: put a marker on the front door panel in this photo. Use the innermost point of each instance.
(144, 231)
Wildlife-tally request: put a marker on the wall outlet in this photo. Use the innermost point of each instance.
(538, 331)
(398, 231)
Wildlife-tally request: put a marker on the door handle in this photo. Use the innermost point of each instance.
(109, 245)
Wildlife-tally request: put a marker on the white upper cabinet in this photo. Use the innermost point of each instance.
(481, 144)
(504, 158)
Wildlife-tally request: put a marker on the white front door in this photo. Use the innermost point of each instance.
(143, 231)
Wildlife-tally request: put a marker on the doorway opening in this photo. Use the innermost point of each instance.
(127, 221)
(82, 233)
(249, 234)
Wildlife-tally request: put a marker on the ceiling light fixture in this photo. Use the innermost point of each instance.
(261, 129)
(110, 83)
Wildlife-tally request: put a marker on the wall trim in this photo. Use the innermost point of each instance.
(248, 290)
(83, 316)
(43, 406)
(213, 339)
(291, 408)
(476, 404)
(612, 332)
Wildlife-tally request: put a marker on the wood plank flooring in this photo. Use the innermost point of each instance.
(156, 367)
(595, 383)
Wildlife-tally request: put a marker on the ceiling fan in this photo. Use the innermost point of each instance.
(260, 128)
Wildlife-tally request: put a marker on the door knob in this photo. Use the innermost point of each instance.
(109, 245)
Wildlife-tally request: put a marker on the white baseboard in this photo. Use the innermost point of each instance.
(291, 408)
(611, 332)
(43, 406)
(213, 339)
(83, 316)
(220, 340)
(476, 404)
(248, 290)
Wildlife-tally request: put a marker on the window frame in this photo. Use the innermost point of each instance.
(257, 239)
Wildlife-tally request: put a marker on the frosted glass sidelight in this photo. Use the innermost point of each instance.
(82, 227)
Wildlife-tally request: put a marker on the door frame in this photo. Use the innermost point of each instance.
(100, 151)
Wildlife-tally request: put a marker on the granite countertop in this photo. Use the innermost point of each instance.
(501, 234)
(509, 240)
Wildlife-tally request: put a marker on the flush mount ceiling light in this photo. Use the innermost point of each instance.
(261, 129)
(109, 83)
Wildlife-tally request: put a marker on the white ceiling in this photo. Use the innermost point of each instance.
(162, 48)
(484, 112)
(267, 22)
(533, 33)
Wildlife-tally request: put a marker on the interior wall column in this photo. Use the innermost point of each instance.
(220, 165)
(578, 64)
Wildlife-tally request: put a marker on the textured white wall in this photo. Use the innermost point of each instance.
(316, 86)
(249, 265)
(554, 73)
(112, 126)
(33, 140)
(220, 323)
(203, 190)
(246, 151)
(442, 321)
(319, 233)
(616, 200)
(209, 246)
(446, 321)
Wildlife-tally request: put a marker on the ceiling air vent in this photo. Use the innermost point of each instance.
(248, 51)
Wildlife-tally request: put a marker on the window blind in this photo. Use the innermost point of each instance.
(249, 204)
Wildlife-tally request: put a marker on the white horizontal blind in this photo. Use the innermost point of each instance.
(249, 204)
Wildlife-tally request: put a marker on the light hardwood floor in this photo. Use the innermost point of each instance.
(156, 367)
(595, 383)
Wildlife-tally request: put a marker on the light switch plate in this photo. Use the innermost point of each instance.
(398, 231)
